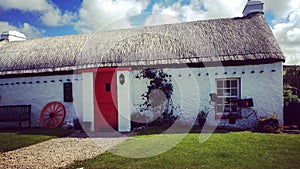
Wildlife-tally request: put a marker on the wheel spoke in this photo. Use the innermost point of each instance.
(59, 111)
(59, 118)
(57, 108)
(56, 118)
(45, 111)
(51, 107)
(52, 123)
(48, 122)
(48, 109)
(54, 108)
(47, 118)
(57, 122)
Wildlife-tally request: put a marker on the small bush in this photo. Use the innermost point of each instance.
(288, 96)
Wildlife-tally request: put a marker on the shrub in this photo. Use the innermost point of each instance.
(288, 96)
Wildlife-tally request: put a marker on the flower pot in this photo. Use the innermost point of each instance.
(232, 119)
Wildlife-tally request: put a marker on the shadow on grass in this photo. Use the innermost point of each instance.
(57, 132)
(12, 138)
(195, 129)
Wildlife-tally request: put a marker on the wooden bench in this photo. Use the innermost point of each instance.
(16, 113)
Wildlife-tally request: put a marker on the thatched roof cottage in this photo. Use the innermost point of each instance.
(234, 58)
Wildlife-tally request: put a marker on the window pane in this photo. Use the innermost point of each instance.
(219, 84)
(227, 83)
(220, 101)
(220, 92)
(227, 92)
(228, 100)
(234, 92)
(234, 83)
(219, 108)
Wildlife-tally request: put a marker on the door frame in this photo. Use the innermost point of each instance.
(102, 70)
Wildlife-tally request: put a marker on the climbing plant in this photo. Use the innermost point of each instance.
(160, 88)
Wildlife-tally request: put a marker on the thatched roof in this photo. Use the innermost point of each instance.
(227, 40)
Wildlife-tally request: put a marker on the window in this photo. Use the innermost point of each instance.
(68, 95)
(228, 92)
(107, 87)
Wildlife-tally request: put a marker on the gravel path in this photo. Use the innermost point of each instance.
(57, 153)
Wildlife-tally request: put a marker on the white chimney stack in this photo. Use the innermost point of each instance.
(253, 7)
(12, 36)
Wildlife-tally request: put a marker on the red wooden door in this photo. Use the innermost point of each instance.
(106, 112)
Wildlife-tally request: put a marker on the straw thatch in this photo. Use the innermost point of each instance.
(227, 40)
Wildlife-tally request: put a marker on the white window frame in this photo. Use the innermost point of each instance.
(227, 89)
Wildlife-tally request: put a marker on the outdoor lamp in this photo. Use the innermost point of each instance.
(122, 79)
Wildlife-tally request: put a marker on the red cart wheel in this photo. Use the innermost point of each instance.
(52, 115)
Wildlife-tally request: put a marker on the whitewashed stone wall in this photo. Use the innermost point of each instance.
(192, 87)
(38, 91)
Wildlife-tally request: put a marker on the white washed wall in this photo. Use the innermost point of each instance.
(191, 91)
(49, 88)
(123, 102)
(88, 101)
(192, 87)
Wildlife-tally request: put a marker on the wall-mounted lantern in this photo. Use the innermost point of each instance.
(122, 79)
(213, 97)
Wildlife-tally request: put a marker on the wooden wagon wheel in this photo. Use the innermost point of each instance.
(52, 115)
(268, 128)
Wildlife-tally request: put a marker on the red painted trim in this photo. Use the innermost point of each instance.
(111, 69)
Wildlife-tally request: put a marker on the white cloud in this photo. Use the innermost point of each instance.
(159, 19)
(197, 10)
(28, 5)
(49, 14)
(293, 35)
(223, 8)
(96, 15)
(5, 26)
(286, 27)
(281, 8)
(30, 31)
(54, 17)
(288, 36)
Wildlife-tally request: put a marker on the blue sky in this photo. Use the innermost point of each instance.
(42, 18)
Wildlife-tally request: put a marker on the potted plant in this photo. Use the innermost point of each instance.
(232, 118)
(268, 124)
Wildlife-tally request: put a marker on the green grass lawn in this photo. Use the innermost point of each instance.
(221, 150)
(14, 139)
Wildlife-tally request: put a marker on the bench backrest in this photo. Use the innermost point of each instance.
(15, 112)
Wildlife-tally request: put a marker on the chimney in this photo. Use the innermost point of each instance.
(253, 7)
(12, 36)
